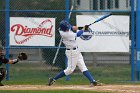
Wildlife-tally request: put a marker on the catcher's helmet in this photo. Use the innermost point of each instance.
(65, 25)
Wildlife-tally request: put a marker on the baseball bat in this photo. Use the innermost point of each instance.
(101, 18)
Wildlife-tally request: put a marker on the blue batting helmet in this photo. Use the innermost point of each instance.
(65, 25)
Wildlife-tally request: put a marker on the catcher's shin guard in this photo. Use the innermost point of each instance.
(51, 81)
(2, 75)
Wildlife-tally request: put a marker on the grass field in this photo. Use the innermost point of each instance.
(29, 73)
(38, 74)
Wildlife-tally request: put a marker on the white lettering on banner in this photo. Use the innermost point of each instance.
(23, 32)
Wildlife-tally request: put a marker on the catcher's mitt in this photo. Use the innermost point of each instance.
(22, 56)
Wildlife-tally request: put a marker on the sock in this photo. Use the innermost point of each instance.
(59, 75)
(88, 75)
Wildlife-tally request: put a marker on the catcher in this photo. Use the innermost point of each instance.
(4, 60)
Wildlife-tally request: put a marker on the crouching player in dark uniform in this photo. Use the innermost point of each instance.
(4, 60)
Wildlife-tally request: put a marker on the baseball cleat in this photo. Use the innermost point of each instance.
(51, 81)
(96, 83)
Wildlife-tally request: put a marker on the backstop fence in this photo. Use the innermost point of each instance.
(105, 66)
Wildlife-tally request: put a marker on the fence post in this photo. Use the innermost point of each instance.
(67, 18)
(138, 40)
(7, 35)
(132, 40)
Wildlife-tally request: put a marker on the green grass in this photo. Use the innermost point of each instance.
(38, 74)
(48, 91)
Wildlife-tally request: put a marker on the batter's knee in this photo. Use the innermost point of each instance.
(83, 70)
(2, 73)
(68, 71)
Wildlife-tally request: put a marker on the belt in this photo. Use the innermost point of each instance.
(70, 48)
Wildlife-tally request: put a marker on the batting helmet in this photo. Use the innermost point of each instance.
(65, 25)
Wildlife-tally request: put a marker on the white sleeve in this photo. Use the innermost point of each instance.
(68, 35)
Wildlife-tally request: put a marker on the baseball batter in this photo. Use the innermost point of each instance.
(4, 60)
(69, 34)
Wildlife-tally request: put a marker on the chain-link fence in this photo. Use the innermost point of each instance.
(107, 67)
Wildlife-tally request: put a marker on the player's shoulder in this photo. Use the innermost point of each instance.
(60, 31)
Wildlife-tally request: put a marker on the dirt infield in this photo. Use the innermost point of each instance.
(104, 88)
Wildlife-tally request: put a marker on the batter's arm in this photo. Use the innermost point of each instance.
(74, 29)
(79, 33)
